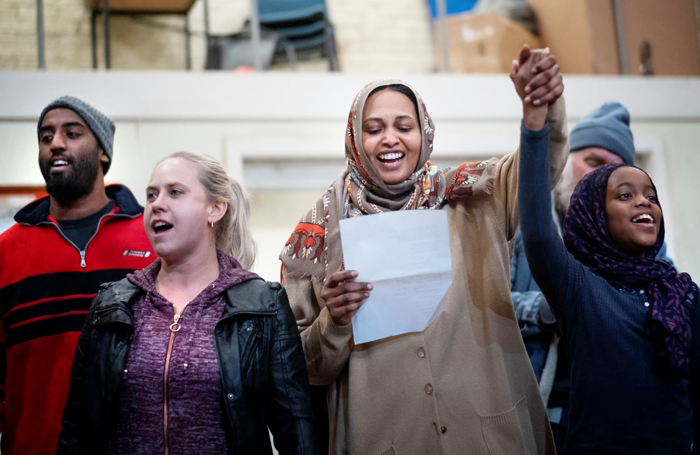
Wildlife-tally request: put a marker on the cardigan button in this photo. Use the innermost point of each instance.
(429, 389)
(230, 396)
(421, 353)
(646, 304)
(443, 430)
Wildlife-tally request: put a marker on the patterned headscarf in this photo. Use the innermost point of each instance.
(314, 248)
(587, 237)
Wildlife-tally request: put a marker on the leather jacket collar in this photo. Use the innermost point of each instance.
(115, 300)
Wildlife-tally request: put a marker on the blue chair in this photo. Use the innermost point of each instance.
(303, 23)
(289, 10)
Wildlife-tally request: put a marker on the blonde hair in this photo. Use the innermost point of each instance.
(232, 231)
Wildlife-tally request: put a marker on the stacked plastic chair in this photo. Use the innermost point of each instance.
(302, 23)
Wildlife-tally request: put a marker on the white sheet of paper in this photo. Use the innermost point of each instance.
(406, 256)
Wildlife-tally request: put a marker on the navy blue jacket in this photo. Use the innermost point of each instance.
(619, 403)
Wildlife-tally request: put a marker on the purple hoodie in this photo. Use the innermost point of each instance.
(191, 379)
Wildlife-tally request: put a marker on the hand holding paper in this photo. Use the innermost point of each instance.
(406, 257)
(344, 296)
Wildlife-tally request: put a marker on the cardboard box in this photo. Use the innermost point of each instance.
(661, 37)
(484, 43)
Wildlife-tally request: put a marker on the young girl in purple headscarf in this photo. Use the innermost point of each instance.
(630, 321)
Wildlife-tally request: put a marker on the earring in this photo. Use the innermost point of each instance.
(212, 224)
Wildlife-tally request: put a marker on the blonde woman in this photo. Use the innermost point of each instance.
(194, 354)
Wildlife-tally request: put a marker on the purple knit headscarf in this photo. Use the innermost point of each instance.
(587, 237)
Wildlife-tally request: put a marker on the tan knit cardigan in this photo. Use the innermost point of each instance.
(462, 386)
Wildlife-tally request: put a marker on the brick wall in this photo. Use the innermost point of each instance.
(67, 34)
(382, 36)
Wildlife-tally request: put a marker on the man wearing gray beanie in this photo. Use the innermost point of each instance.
(101, 126)
(607, 127)
(600, 138)
(52, 262)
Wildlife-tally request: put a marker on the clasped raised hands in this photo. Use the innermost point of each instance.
(536, 76)
(538, 82)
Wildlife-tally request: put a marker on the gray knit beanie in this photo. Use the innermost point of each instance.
(607, 127)
(101, 126)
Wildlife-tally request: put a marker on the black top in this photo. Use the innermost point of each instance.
(80, 231)
(619, 403)
(36, 212)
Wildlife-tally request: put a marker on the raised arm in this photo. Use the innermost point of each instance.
(545, 86)
(537, 77)
(557, 273)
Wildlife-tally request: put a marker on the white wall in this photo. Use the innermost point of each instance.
(286, 132)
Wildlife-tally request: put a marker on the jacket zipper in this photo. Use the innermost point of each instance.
(82, 253)
(174, 328)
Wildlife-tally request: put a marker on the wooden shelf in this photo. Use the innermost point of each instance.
(151, 6)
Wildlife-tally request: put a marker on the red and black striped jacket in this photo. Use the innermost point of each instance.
(46, 286)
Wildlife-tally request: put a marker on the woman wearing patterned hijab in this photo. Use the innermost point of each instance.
(630, 320)
(465, 383)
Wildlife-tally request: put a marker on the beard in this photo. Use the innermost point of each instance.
(564, 189)
(78, 182)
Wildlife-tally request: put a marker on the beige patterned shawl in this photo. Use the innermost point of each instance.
(314, 248)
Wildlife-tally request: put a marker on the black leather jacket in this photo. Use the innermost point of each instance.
(264, 376)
